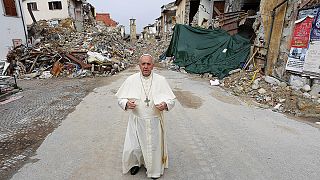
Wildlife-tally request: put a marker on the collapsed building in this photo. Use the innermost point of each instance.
(70, 44)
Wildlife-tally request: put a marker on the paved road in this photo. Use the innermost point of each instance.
(211, 135)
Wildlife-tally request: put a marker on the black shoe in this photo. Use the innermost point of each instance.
(154, 178)
(134, 170)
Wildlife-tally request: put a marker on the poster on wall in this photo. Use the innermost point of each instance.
(308, 12)
(301, 33)
(315, 32)
(299, 44)
(296, 59)
(312, 60)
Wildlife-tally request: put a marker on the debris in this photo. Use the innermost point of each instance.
(282, 100)
(45, 75)
(58, 41)
(277, 107)
(283, 84)
(306, 88)
(306, 95)
(272, 80)
(262, 91)
(297, 82)
(268, 99)
(234, 71)
(215, 82)
(292, 100)
(315, 90)
(317, 123)
(255, 84)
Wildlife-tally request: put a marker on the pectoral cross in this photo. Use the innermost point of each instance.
(147, 101)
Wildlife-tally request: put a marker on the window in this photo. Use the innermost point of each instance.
(10, 7)
(32, 6)
(55, 5)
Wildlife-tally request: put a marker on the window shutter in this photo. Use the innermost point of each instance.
(59, 5)
(50, 5)
(10, 7)
(13, 8)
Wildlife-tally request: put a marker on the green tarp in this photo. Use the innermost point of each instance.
(207, 51)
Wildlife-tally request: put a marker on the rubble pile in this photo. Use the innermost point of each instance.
(154, 47)
(269, 92)
(59, 50)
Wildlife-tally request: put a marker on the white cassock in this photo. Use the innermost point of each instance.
(145, 142)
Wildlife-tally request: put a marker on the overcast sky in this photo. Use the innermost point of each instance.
(144, 11)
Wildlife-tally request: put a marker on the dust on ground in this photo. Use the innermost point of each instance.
(188, 99)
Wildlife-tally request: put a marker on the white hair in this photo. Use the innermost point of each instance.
(147, 55)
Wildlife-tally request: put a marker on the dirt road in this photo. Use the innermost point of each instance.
(211, 135)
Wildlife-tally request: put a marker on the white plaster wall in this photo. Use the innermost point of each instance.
(204, 11)
(152, 30)
(10, 28)
(72, 9)
(180, 13)
(43, 12)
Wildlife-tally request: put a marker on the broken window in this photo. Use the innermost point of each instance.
(10, 7)
(32, 6)
(55, 5)
(251, 5)
(194, 6)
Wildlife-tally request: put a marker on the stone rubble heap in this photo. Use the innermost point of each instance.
(269, 92)
(59, 50)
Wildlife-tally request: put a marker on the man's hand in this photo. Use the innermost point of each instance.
(130, 104)
(162, 106)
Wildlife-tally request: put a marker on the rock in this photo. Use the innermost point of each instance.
(206, 75)
(268, 98)
(315, 90)
(282, 100)
(255, 86)
(262, 91)
(318, 101)
(283, 84)
(183, 71)
(256, 81)
(277, 107)
(238, 89)
(272, 80)
(306, 88)
(307, 95)
(317, 123)
(303, 105)
(297, 82)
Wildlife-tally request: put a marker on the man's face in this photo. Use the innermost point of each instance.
(146, 65)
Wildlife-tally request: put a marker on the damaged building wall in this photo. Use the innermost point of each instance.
(42, 11)
(12, 29)
(75, 10)
(280, 43)
(181, 9)
(266, 8)
(187, 12)
(204, 12)
(291, 16)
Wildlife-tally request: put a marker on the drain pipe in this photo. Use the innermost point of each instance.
(273, 14)
(24, 25)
